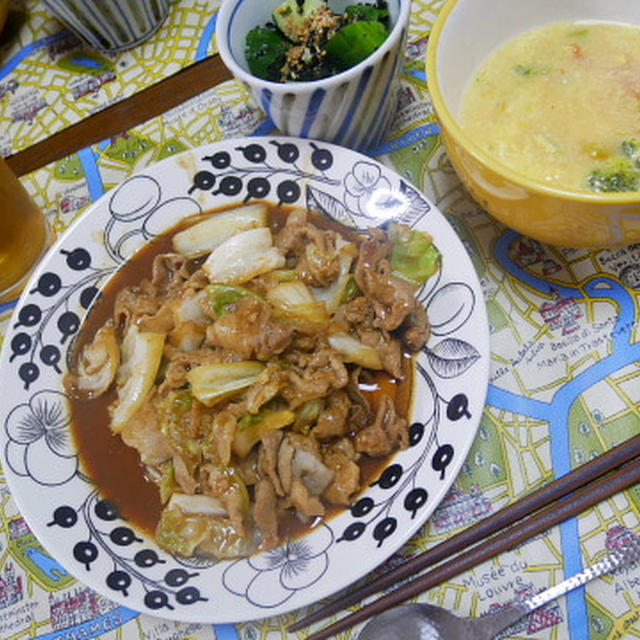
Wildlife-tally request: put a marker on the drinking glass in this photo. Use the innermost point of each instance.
(24, 234)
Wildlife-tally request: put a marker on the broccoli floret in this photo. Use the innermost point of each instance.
(619, 175)
(631, 149)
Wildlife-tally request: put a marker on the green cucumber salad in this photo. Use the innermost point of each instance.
(307, 40)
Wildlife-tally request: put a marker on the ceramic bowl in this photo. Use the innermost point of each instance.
(352, 108)
(465, 34)
(111, 26)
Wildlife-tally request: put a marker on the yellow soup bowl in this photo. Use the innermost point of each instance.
(465, 34)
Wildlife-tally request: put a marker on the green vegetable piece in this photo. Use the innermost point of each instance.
(217, 381)
(368, 13)
(307, 414)
(170, 533)
(530, 70)
(354, 43)
(167, 482)
(251, 429)
(225, 296)
(186, 534)
(180, 404)
(172, 414)
(265, 50)
(619, 175)
(631, 149)
(414, 257)
(291, 15)
(351, 290)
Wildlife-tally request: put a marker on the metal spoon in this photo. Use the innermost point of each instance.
(421, 621)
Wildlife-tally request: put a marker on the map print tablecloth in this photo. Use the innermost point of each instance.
(50, 80)
(565, 386)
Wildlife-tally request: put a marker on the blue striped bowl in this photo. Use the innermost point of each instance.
(111, 24)
(352, 108)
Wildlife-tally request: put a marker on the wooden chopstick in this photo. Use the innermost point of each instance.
(534, 502)
(122, 116)
(588, 496)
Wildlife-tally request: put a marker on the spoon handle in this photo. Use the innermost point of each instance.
(617, 558)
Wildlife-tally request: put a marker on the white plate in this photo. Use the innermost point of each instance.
(86, 534)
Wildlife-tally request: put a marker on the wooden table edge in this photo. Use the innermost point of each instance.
(123, 115)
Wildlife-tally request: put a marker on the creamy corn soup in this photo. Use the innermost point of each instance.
(561, 104)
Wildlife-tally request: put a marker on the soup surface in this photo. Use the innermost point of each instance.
(246, 373)
(561, 104)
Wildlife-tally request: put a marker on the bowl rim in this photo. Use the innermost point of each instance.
(225, 14)
(450, 123)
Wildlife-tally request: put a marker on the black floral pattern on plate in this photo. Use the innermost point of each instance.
(105, 531)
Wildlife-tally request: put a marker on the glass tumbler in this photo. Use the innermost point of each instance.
(24, 234)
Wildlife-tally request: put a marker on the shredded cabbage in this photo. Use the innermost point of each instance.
(197, 503)
(189, 309)
(166, 481)
(307, 414)
(315, 475)
(187, 534)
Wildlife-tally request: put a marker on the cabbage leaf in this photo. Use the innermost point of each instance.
(210, 233)
(243, 256)
(252, 428)
(218, 381)
(141, 356)
(414, 257)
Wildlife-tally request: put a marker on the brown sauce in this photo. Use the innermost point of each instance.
(116, 469)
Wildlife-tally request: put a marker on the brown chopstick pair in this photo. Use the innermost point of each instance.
(586, 486)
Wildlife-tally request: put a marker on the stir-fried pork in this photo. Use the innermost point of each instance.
(240, 384)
